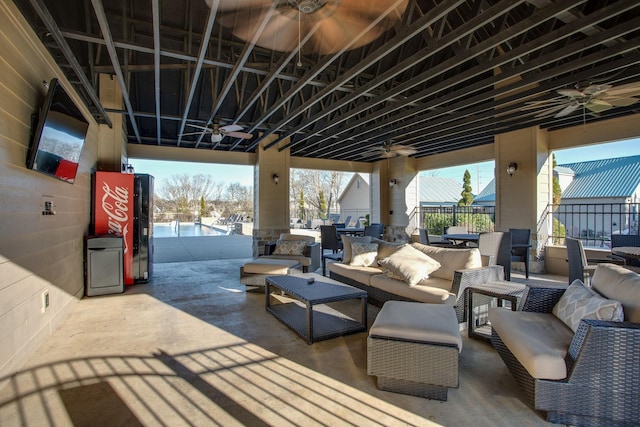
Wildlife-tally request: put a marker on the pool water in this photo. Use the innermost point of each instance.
(184, 229)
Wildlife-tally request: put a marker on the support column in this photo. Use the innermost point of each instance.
(271, 199)
(112, 146)
(396, 202)
(522, 199)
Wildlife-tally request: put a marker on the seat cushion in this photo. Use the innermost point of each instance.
(269, 266)
(451, 259)
(417, 322)
(359, 274)
(539, 341)
(422, 292)
(304, 237)
(303, 260)
(620, 284)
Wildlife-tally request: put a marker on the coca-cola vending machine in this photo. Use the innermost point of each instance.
(123, 206)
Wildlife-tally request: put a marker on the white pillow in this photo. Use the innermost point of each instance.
(290, 247)
(346, 246)
(579, 302)
(409, 264)
(363, 254)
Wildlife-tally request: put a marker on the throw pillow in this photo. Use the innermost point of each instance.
(363, 254)
(346, 245)
(579, 302)
(409, 264)
(290, 247)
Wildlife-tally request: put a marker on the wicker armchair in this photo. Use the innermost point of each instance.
(602, 386)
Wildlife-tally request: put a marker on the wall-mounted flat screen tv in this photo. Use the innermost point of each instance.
(58, 136)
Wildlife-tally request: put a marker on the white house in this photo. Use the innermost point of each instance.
(355, 200)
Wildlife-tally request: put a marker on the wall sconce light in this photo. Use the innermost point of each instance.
(512, 168)
(393, 182)
(275, 178)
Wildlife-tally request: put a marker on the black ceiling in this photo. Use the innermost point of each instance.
(438, 75)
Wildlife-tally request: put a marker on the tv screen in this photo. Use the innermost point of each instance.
(59, 136)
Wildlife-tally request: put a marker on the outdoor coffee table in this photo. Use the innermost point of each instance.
(307, 313)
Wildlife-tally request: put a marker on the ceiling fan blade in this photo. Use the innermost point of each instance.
(598, 107)
(406, 151)
(199, 127)
(567, 110)
(622, 101)
(630, 89)
(230, 128)
(572, 93)
(596, 89)
(242, 135)
(550, 111)
(373, 8)
(191, 133)
(280, 33)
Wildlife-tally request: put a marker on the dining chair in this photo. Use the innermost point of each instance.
(425, 240)
(374, 230)
(581, 267)
(497, 246)
(521, 246)
(330, 241)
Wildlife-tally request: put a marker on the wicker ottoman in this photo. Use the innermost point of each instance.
(254, 272)
(413, 348)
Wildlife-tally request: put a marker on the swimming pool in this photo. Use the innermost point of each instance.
(184, 229)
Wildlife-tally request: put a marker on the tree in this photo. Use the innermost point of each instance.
(181, 194)
(322, 208)
(301, 214)
(467, 196)
(557, 190)
(309, 181)
(203, 207)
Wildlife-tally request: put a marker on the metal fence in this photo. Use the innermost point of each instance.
(593, 223)
(436, 219)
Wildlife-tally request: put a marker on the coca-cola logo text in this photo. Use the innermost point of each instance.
(115, 206)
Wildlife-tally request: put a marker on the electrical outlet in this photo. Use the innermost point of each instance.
(45, 300)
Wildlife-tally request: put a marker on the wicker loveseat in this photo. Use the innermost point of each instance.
(459, 269)
(590, 377)
(308, 255)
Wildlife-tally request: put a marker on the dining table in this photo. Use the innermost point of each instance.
(350, 231)
(460, 238)
(628, 252)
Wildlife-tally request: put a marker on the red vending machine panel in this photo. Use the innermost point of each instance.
(113, 198)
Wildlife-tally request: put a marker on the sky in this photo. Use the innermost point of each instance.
(481, 173)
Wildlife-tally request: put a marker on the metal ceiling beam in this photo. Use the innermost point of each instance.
(204, 44)
(113, 55)
(454, 36)
(155, 8)
(231, 78)
(54, 30)
(321, 67)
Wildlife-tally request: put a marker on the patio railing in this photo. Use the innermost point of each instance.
(593, 223)
(436, 219)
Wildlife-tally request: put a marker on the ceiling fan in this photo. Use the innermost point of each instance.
(334, 23)
(218, 132)
(586, 96)
(388, 150)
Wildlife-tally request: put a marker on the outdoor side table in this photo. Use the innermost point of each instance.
(502, 291)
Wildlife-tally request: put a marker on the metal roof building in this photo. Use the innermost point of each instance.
(436, 190)
(619, 177)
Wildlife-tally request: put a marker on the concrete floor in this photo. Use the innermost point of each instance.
(191, 347)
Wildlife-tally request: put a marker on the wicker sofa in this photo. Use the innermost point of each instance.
(459, 269)
(590, 377)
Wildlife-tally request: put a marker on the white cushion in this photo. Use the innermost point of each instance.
(359, 274)
(579, 302)
(385, 248)
(346, 245)
(621, 284)
(431, 291)
(409, 264)
(363, 254)
(290, 247)
(539, 341)
(451, 259)
(417, 322)
(303, 237)
(269, 266)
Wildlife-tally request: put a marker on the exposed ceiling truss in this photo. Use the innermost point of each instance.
(446, 75)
